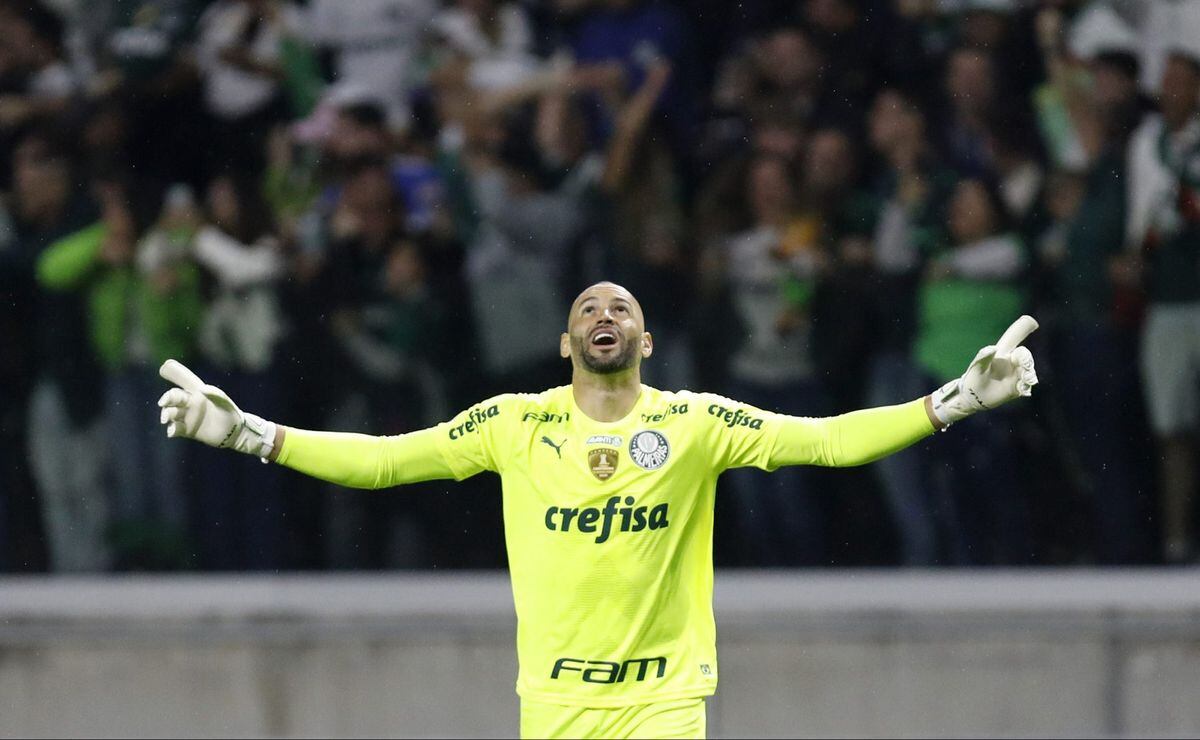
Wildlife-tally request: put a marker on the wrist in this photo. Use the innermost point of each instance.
(277, 443)
(256, 437)
(949, 404)
(937, 423)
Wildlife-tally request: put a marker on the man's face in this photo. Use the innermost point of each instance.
(969, 82)
(789, 59)
(41, 179)
(1112, 88)
(829, 164)
(606, 332)
(1180, 89)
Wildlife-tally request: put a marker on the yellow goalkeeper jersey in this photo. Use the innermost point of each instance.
(608, 525)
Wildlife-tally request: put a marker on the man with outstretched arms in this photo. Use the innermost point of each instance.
(608, 492)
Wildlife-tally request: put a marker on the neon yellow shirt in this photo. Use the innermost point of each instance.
(609, 524)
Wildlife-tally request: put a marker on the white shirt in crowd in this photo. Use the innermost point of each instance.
(375, 43)
(495, 63)
(757, 279)
(229, 91)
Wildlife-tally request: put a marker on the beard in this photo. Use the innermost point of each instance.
(608, 365)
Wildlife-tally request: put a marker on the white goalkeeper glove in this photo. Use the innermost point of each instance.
(203, 412)
(999, 373)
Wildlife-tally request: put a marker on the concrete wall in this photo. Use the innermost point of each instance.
(850, 653)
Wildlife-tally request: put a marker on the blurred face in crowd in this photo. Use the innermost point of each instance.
(972, 214)
(831, 16)
(772, 194)
(1064, 193)
(984, 29)
(19, 40)
(829, 166)
(223, 205)
(779, 138)
(106, 131)
(352, 138)
(1112, 88)
(894, 123)
(606, 331)
(789, 59)
(660, 243)
(120, 229)
(404, 273)
(1180, 89)
(969, 81)
(369, 196)
(41, 180)
(11, 52)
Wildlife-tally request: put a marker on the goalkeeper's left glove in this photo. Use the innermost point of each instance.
(999, 373)
(205, 413)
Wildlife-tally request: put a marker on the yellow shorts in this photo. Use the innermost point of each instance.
(683, 718)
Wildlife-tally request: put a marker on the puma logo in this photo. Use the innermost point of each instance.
(557, 447)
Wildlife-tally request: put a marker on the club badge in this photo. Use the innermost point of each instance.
(649, 449)
(603, 462)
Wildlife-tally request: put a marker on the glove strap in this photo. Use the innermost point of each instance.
(949, 404)
(256, 437)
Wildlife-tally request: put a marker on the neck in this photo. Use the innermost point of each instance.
(606, 397)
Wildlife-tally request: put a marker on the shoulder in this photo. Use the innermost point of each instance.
(718, 410)
(510, 405)
(550, 406)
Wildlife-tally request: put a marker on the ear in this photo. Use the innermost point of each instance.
(564, 345)
(647, 344)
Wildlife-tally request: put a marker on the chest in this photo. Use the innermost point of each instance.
(567, 460)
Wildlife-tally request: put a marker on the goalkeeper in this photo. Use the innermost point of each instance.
(608, 492)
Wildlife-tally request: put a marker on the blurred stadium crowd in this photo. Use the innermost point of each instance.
(366, 215)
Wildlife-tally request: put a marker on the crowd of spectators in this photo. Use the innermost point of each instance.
(366, 215)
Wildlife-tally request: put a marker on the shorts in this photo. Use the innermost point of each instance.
(682, 718)
(1171, 367)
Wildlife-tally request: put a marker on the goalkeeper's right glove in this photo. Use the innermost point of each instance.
(203, 412)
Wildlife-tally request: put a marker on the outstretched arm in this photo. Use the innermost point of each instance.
(856, 438)
(205, 413)
(362, 461)
(998, 374)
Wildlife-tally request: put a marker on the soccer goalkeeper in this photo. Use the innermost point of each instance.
(608, 492)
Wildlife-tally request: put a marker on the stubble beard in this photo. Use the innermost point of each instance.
(619, 362)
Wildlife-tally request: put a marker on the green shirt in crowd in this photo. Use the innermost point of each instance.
(121, 302)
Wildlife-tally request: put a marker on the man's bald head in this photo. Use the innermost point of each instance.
(605, 288)
(606, 330)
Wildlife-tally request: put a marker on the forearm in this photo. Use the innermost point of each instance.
(359, 460)
(234, 263)
(856, 438)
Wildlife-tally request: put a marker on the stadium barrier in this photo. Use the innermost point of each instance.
(847, 653)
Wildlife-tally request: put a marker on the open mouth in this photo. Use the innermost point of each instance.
(604, 338)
